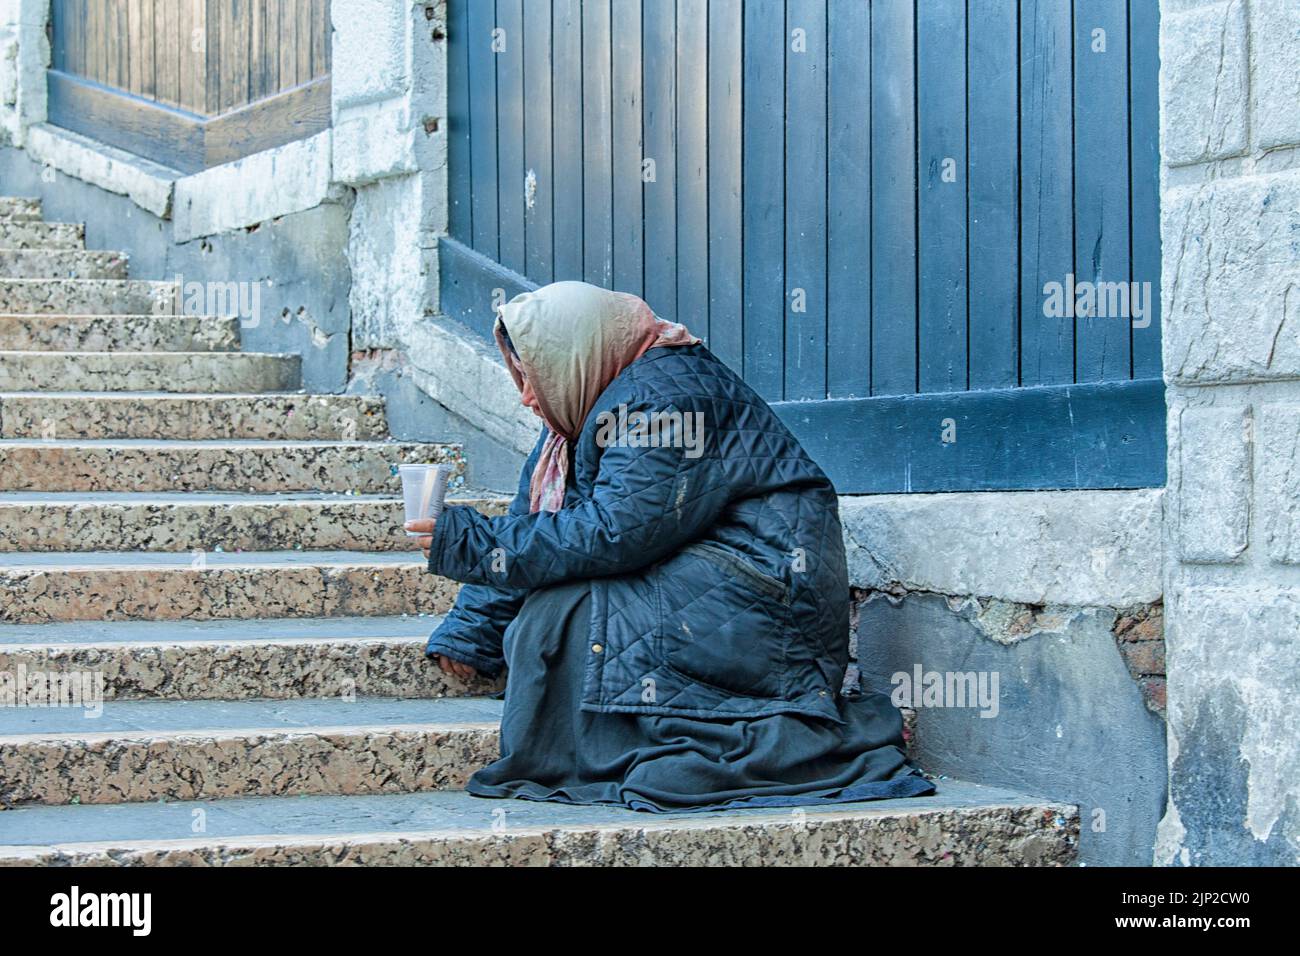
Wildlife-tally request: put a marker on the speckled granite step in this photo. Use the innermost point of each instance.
(241, 660)
(135, 751)
(61, 521)
(210, 586)
(164, 416)
(49, 521)
(254, 467)
(963, 824)
(19, 208)
(87, 297)
(62, 264)
(42, 235)
(118, 333)
(149, 371)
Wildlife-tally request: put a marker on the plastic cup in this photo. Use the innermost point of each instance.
(423, 489)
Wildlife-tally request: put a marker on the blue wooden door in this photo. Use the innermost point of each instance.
(927, 231)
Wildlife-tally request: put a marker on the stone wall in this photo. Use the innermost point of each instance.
(1053, 599)
(24, 54)
(1230, 198)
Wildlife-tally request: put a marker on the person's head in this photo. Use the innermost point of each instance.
(565, 342)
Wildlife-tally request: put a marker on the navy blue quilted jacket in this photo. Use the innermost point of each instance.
(718, 579)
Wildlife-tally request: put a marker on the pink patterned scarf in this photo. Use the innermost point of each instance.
(573, 339)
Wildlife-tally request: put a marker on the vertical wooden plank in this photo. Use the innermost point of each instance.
(214, 39)
(942, 177)
(194, 55)
(540, 250)
(1101, 192)
(148, 51)
(483, 122)
(1144, 124)
(893, 189)
(692, 166)
(659, 33)
(1047, 183)
(289, 44)
(303, 30)
(256, 50)
(271, 46)
(992, 134)
(629, 258)
(726, 213)
(510, 130)
(59, 32)
(848, 325)
(597, 145)
(236, 22)
(459, 161)
(166, 51)
(320, 38)
(805, 192)
(764, 196)
(94, 36)
(114, 41)
(134, 41)
(566, 97)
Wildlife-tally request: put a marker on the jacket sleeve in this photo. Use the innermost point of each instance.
(645, 503)
(472, 631)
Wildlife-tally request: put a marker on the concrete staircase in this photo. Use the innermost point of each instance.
(221, 556)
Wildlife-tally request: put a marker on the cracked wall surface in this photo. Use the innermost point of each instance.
(1057, 597)
(1230, 210)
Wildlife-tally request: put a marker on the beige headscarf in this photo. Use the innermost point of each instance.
(573, 339)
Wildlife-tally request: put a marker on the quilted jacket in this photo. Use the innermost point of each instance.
(718, 578)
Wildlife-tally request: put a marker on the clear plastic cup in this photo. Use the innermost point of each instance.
(423, 489)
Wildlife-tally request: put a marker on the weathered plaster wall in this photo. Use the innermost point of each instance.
(1056, 597)
(1230, 104)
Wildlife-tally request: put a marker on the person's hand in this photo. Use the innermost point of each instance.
(456, 668)
(423, 527)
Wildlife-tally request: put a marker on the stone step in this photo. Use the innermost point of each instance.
(963, 824)
(161, 521)
(87, 297)
(62, 264)
(240, 660)
(164, 416)
(215, 586)
(134, 751)
(149, 371)
(50, 522)
(118, 333)
(254, 467)
(42, 235)
(19, 209)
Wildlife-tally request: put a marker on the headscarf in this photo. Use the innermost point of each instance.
(573, 339)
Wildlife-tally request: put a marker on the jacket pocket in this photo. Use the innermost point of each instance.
(723, 622)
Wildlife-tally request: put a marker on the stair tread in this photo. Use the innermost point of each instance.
(451, 811)
(189, 497)
(134, 355)
(121, 560)
(137, 717)
(207, 443)
(71, 633)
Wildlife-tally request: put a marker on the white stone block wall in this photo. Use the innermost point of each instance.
(24, 55)
(1230, 208)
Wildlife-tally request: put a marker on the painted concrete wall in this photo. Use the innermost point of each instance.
(1230, 101)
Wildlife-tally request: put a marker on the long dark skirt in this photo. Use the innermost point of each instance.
(553, 750)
